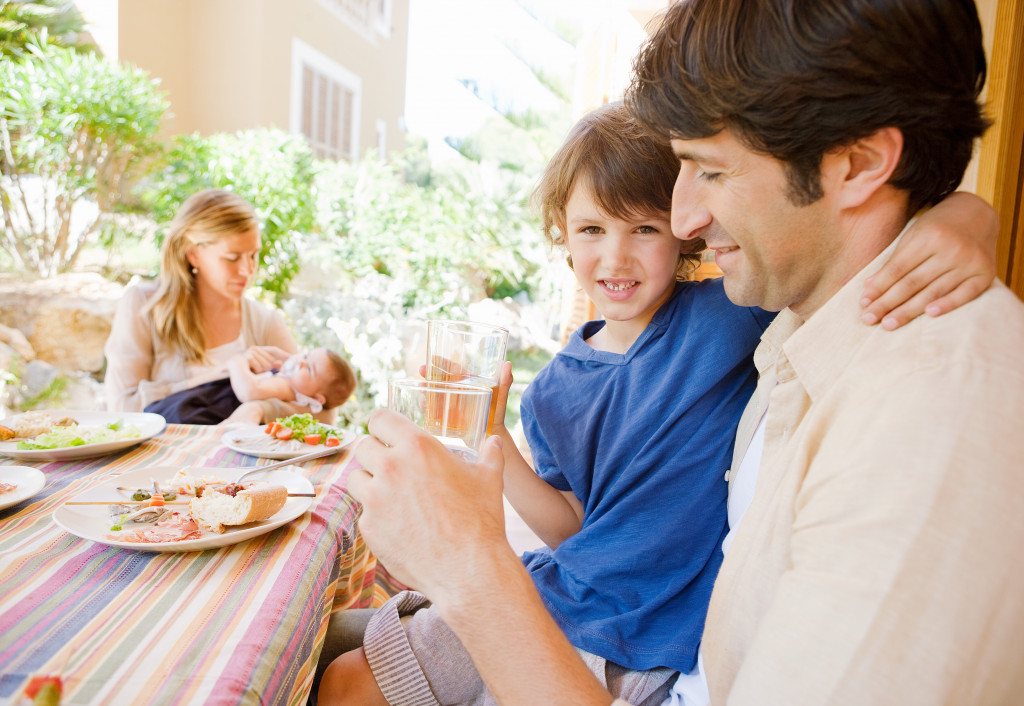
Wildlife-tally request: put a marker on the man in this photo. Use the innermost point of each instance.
(867, 568)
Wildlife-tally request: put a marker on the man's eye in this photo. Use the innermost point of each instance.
(707, 176)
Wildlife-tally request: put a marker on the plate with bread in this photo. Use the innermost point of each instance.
(68, 435)
(185, 510)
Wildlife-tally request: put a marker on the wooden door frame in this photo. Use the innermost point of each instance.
(1001, 160)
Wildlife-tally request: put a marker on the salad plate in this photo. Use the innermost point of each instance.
(28, 482)
(252, 440)
(93, 522)
(147, 424)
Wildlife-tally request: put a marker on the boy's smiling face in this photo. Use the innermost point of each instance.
(626, 266)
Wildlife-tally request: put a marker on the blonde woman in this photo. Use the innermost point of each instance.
(178, 332)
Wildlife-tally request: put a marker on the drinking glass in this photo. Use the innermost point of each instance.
(467, 352)
(454, 413)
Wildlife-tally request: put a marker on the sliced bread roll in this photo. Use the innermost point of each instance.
(256, 501)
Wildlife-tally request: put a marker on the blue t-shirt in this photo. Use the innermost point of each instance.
(643, 440)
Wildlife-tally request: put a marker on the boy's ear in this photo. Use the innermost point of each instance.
(320, 398)
(865, 166)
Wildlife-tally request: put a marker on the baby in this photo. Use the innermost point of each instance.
(314, 381)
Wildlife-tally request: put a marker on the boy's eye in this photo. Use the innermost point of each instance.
(646, 230)
(591, 230)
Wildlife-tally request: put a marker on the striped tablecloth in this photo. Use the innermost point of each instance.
(242, 624)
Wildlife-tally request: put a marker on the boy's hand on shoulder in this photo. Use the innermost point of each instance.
(945, 259)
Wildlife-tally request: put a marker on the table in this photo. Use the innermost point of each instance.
(242, 624)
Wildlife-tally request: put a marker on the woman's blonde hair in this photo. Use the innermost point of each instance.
(206, 217)
(629, 170)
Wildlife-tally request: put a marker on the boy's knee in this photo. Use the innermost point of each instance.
(348, 680)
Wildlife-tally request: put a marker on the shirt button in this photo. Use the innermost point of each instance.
(727, 474)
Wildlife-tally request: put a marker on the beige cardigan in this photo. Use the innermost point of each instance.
(142, 369)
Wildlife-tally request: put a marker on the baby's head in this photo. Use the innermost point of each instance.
(628, 170)
(321, 374)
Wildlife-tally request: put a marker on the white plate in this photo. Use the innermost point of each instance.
(149, 424)
(92, 521)
(251, 440)
(29, 481)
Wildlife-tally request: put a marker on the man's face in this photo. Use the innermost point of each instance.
(773, 254)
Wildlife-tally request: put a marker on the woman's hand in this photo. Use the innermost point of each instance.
(945, 259)
(247, 412)
(264, 358)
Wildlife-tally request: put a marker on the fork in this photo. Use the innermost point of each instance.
(298, 459)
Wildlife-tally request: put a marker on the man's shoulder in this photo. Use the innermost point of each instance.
(988, 330)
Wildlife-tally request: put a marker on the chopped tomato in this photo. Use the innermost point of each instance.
(37, 683)
(313, 439)
(272, 428)
(332, 441)
(156, 501)
(284, 433)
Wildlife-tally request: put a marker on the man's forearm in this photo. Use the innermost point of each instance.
(522, 655)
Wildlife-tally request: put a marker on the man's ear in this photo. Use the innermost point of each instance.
(866, 165)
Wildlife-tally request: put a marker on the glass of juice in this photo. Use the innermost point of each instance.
(466, 352)
(454, 413)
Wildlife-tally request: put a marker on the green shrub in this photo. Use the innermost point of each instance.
(272, 169)
(464, 237)
(74, 129)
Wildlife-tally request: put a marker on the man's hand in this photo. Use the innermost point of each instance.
(430, 517)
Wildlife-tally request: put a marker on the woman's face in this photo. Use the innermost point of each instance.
(226, 266)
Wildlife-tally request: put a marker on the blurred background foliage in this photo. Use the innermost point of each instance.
(352, 252)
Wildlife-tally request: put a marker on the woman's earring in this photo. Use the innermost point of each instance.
(195, 270)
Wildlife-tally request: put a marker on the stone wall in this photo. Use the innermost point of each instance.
(65, 320)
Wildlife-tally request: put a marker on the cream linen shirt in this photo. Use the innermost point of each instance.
(878, 562)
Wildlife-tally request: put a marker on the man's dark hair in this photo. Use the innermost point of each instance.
(795, 79)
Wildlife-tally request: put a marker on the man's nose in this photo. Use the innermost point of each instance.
(689, 217)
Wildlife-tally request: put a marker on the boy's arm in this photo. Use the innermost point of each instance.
(247, 386)
(945, 259)
(552, 514)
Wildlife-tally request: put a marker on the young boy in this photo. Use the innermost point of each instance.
(630, 429)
